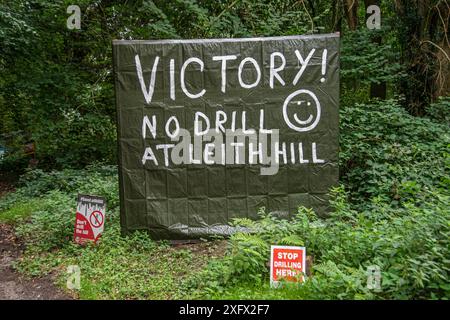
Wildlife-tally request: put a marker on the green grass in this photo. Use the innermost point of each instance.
(256, 292)
(133, 267)
(19, 211)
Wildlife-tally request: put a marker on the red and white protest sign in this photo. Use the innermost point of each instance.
(90, 218)
(287, 263)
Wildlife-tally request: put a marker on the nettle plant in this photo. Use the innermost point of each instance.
(390, 155)
(407, 244)
(394, 215)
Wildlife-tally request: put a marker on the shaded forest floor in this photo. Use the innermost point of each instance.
(6, 183)
(24, 276)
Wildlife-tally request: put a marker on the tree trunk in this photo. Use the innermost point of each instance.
(377, 90)
(336, 10)
(423, 36)
(351, 13)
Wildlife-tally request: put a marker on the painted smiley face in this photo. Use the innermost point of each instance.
(310, 99)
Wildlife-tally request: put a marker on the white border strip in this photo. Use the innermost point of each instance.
(221, 40)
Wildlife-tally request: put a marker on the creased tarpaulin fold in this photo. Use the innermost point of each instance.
(287, 83)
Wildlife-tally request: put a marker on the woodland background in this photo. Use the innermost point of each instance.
(391, 208)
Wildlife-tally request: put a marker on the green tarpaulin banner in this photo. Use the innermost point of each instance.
(215, 129)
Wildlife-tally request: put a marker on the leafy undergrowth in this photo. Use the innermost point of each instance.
(391, 211)
(409, 245)
(19, 211)
(132, 267)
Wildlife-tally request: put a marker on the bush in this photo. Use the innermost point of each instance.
(391, 211)
(51, 224)
(439, 111)
(409, 244)
(388, 154)
(395, 215)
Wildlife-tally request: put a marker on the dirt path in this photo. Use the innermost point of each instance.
(12, 285)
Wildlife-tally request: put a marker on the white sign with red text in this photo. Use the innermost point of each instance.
(90, 218)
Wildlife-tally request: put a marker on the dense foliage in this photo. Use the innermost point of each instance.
(56, 84)
(120, 267)
(395, 216)
(390, 210)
